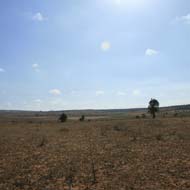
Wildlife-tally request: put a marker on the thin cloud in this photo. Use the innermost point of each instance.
(39, 17)
(9, 105)
(55, 92)
(183, 19)
(120, 93)
(118, 2)
(151, 52)
(2, 70)
(38, 101)
(100, 92)
(36, 67)
(105, 46)
(75, 93)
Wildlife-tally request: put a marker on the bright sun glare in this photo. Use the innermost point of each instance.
(134, 3)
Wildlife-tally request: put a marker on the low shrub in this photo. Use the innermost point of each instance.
(82, 118)
(63, 117)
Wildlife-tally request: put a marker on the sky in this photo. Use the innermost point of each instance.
(93, 54)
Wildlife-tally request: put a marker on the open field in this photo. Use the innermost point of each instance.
(111, 153)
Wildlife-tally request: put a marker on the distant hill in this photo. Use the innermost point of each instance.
(92, 111)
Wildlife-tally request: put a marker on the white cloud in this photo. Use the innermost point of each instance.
(2, 70)
(105, 46)
(136, 92)
(55, 92)
(39, 17)
(100, 92)
(184, 19)
(120, 93)
(151, 52)
(36, 67)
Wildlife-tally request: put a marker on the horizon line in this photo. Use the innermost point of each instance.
(91, 109)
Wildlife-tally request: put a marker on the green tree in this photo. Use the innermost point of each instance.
(63, 117)
(153, 107)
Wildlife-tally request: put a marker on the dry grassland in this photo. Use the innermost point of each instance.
(109, 154)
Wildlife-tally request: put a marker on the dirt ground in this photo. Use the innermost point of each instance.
(110, 154)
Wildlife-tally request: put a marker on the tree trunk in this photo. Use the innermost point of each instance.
(153, 115)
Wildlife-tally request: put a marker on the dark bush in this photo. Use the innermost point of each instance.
(116, 128)
(159, 137)
(153, 107)
(82, 118)
(63, 117)
(121, 128)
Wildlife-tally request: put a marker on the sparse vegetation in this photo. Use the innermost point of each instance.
(116, 128)
(42, 141)
(159, 137)
(63, 129)
(82, 118)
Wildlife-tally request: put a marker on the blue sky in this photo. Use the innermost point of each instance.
(93, 54)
